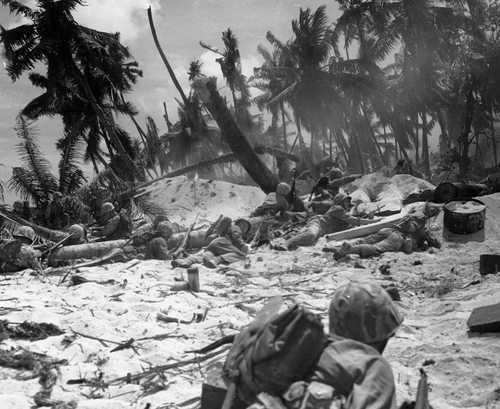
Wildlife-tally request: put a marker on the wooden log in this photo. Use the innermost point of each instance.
(89, 250)
(485, 319)
(366, 230)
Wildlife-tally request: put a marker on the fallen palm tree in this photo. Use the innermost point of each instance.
(86, 251)
(206, 90)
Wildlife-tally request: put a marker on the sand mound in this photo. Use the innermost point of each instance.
(183, 198)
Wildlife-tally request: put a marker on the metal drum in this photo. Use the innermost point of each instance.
(464, 220)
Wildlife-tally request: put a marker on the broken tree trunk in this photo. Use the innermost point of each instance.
(88, 250)
(206, 89)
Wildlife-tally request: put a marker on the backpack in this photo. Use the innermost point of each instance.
(269, 356)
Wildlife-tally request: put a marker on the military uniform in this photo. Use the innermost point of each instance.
(350, 372)
(226, 248)
(334, 220)
(411, 234)
(348, 375)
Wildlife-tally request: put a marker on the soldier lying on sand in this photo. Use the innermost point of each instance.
(337, 218)
(411, 234)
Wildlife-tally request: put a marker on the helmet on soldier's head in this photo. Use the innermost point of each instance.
(340, 199)
(24, 232)
(244, 225)
(165, 229)
(283, 189)
(77, 232)
(363, 312)
(107, 207)
(335, 173)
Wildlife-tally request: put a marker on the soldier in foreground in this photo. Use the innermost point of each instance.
(347, 371)
(362, 319)
(410, 235)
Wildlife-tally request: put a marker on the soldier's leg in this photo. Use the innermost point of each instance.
(394, 242)
(375, 237)
(304, 238)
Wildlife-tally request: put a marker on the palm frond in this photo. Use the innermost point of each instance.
(16, 7)
(36, 165)
(25, 183)
(71, 177)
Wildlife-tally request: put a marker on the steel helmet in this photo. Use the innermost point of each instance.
(107, 207)
(283, 189)
(244, 225)
(340, 198)
(165, 229)
(363, 312)
(77, 232)
(25, 232)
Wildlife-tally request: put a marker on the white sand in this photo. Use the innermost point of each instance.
(465, 372)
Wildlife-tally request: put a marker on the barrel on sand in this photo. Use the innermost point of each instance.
(464, 220)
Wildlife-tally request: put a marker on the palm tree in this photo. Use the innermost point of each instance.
(35, 181)
(230, 63)
(86, 72)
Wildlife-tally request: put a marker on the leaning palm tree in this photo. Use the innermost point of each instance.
(86, 70)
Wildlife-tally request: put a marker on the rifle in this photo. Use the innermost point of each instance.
(422, 400)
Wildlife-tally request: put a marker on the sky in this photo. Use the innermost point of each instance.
(180, 25)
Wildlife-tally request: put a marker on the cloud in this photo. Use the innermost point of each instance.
(128, 17)
(125, 16)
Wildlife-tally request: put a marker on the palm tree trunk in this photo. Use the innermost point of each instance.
(359, 154)
(299, 134)
(493, 137)
(425, 146)
(444, 140)
(339, 138)
(106, 119)
(164, 58)
(311, 147)
(330, 143)
(283, 121)
(464, 137)
(416, 141)
(373, 136)
(237, 141)
(386, 145)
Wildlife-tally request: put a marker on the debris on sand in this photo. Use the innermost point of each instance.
(28, 330)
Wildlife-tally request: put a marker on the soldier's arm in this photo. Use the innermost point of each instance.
(357, 221)
(359, 373)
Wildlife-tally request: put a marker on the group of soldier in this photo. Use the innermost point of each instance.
(283, 221)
